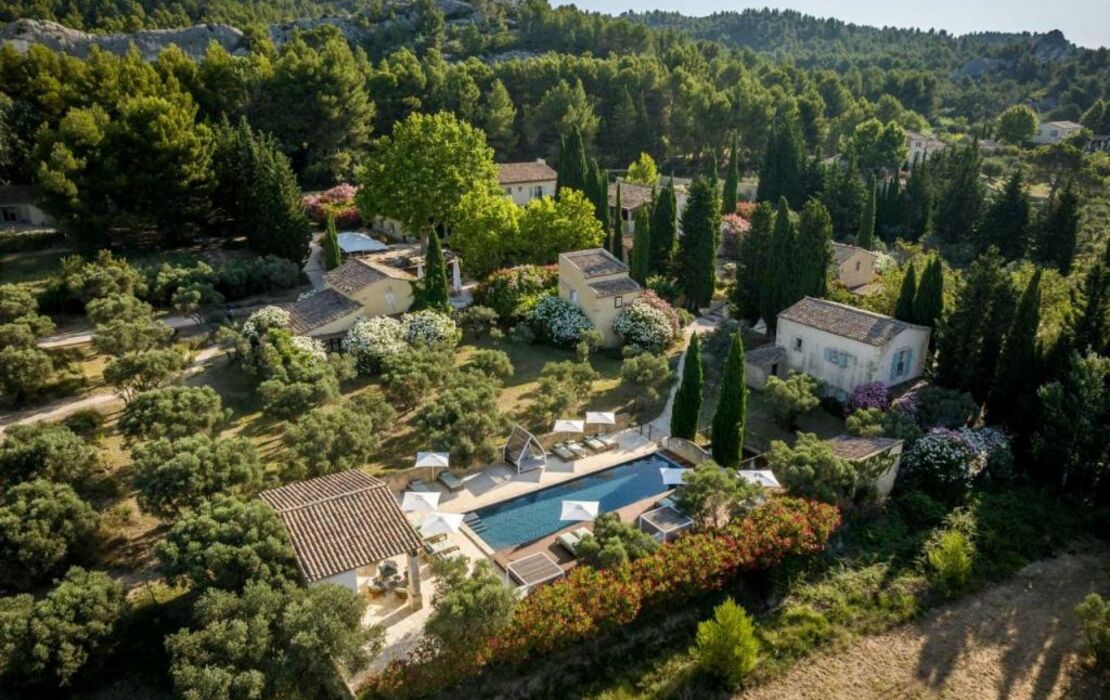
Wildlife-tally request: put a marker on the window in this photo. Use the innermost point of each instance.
(797, 345)
(573, 297)
(901, 363)
(9, 214)
(857, 266)
(537, 191)
(519, 188)
(508, 190)
(618, 301)
(839, 357)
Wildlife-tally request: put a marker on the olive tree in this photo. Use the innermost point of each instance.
(327, 440)
(45, 451)
(172, 412)
(42, 524)
(172, 476)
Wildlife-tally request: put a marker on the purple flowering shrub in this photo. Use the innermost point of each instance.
(946, 461)
(873, 395)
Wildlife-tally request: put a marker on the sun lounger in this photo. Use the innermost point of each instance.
(440, 549)
(563, 453)
(569, 542)
(595, 444)
(452, 482)
(607, 441)
(582, 532)
(578, 450)
(421, 485)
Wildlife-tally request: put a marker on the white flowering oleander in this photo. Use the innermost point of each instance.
(310, 346)
(645, 326)
(430, 328)
(563, 322)
(371, 340)
(263, 320)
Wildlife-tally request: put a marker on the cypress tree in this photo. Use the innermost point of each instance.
(572, 162)
(664, 225)
(754, 261)
(842, 193)
(687, 400)
(697, 259)
(866, 237)
(332, 253)
(641, 246)
(928, 303)
(903, 309)
(813, 252)
(728, 420)
(732, 179)
(1006, 223)
(1087, 328)
(1058, 230)
(888, 222)
(782, 169)
(597, 191)
(1011, 399)
(616, 236)
(435, 290)
(962, 195)
(779, 281)
(919, 202)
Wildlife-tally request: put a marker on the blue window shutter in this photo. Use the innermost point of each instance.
(894, 366)
(909, 361)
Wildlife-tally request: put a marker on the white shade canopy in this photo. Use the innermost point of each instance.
(420, 501)
(672, 476)
(762, 477)
(564, 425)
(433, 459)
(579, 510)
(601, 417)
(354, 242)
(439, 523)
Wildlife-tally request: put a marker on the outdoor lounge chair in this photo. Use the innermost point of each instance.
(607, 441)
(596, 445)
(440, 549)
(582, 532)
(421, 486)
(578, 450)
(569, 541)
(452, 482)
(563, 453)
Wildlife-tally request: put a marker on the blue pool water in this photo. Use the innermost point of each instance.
(534, 515)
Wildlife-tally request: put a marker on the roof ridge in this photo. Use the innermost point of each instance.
(325, 499)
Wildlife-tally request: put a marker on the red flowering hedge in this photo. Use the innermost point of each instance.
(590, 601)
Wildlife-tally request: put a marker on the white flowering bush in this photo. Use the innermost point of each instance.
(560, 321)
(946, 462)
(263, 320)
(371, 340)
(430, 328)
(644, 325)
(310, 347)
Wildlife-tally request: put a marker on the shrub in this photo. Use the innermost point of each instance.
(944, 463)
(949, 557)
(429, 328)
(88, 424)
(512, 292)
(936, 407)
(873, 422)
(648, 322)
(48, 451)
(1094, 619)
(791, 397)
(338, 202)
(262, 321)
(477, 320)
(726, 645)
(798, 631)
(810, 468)
(492, 363)
(372, 340)
(408, 377)
(560, 321)
(613, 542)
(873, 395)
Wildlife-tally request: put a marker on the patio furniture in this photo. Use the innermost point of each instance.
(440, 549)
(452, 482)
(435, 538)
(596, 445)
(582, 532)
(388, 568)
(563, 453)
(524, 451)
(421, 485)
(607, 441)
(578, 450)
(569, 542)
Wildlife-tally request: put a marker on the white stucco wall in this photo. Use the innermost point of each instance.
(524, 192)
(347, 579)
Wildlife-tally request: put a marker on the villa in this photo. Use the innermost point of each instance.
(596, 282)
(359, 288)
(526, 181)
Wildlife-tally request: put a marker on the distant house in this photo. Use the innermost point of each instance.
(1055, 132)
(920, 146)
(343, 527)
(597, 283)
(526, 181)
(882, 453)
(855, 266)
(633, 196)
(358, 288)
(845, 347)
(1097, 143)
(18, 208)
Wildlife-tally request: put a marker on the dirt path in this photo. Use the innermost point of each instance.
(1014, 641)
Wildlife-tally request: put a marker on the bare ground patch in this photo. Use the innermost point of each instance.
(1012, 641)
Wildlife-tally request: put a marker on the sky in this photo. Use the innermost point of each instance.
(1084, 22)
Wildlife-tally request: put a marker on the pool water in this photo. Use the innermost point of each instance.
(534, 515)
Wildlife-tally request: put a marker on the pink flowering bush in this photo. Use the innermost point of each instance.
(733, 228)
(873, 395)
(339, 202)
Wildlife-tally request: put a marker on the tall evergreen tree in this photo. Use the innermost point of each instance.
(1006, 222)
(732, 179)
(1012, 399)
(779, 289)
(697, 257)
(498, 120)
(891, 213)
(928, 302)
(842, 193)
(332, 254)
(1058, 230)
(731, 413)
(1087, 328)
(919, 202)
(813, 251)
(664, 225)
(754, 261)
(616, 233)
(572, 162)
(961, 199)
(866, 237)
(903, 309)
(687, 400)
(597, 191)
(434, 292)
(640, 264)
(782, 170)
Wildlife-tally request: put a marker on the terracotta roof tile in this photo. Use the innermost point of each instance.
(855, 448)
(321, 308)
(845, 321)
(354, 274)
(528, 171)
(633, 195)
(595, 262)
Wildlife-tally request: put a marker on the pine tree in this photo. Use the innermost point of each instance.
(928, 302)
(572, 162)
(866, 237)
(729, 418)
(813, 251)
(498, 120)
(687, 400)
(1006, 222)
(620, 128)
(697, 258)
(1012, 397)
(616, 234)
(664, 224)
(754, 261)
(903, 309)
(918, 209)
(732, 179)
(1058, 230)
(782, 169)
(641, 246)
(1087, 328)
(434, 294)
(332, 253)
(780, 281)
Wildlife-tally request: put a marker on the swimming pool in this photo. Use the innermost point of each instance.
(534, 515)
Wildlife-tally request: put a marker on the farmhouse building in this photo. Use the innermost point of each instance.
(854, 266)
(527, 181)
(597, 283)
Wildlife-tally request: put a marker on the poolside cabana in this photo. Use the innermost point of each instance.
(664, 524)
(524, 451)
(534, 570)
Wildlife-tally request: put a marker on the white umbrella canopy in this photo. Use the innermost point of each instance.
(579, 510)
(565, 425)
(433, 459)
(420, 501)
(762, 477)
(672, 476)
(439, 523)
(601, 417)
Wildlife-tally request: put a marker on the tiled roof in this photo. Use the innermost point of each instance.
(765, 355)
(321, 308)
(595, 262)
(340, 522)
(855, 448)
(633, 196)
(529, 171)
(613, 287)
(843, 251)
(354, 274)
(845, 321)
(1065, 125)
